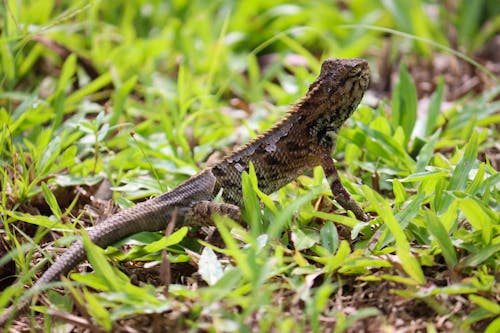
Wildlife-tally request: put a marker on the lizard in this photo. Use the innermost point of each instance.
(303, 139)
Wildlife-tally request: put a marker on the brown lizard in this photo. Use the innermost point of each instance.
(305, 138)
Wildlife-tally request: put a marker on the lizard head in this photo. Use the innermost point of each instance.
(335, 94)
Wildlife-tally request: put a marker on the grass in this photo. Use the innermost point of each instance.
(177, 81)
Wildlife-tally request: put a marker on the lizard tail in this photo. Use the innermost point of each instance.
(147, 216)
(150, 215)
(72, 257)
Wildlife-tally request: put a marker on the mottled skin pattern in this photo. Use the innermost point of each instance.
(296, 144)
(304, 139)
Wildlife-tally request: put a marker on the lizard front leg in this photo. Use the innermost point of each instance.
(339, 192)
(201, 212)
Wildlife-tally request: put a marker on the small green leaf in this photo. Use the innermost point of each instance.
(100, 264)
(399, 191)
(478, 180)
(424, 175)
(72, 180)
(8, 67)
(252, 211)
(481, 256)
(119, 99)
(62, 302)
(404, 103)
(461, 173)
(230, 280)
(90, 88)
(388, 147)
(409, 263)
(38, 220)
(434, 108)
(333, 263)
(494, 326)
(469, 15)
(284, 216)
(404, 217)
(342, 219)
(98, 311)
(329, 237)
(164, 242)
(486, 304)
(51, 201)
(90, 280)
(303, 240)
(223, 225)
(477, 217)
(322, 296)
(67, 72)
(49, 155)
(427, 152)
(443, 239)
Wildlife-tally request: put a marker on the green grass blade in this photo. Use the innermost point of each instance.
(120, 98)
(478, 218)
(404, 104)
(443, 239)
(481, 256)
(172, 239)
(434, 107)
(408, 261)
(100, 264)
(252, 211)
(329, 237)
(98, 311)
(427, 152)
(336, 261)
(461, 172)
(39, 220)
(90, 88)
(67, 72)
(51, 200)
(494, 326)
